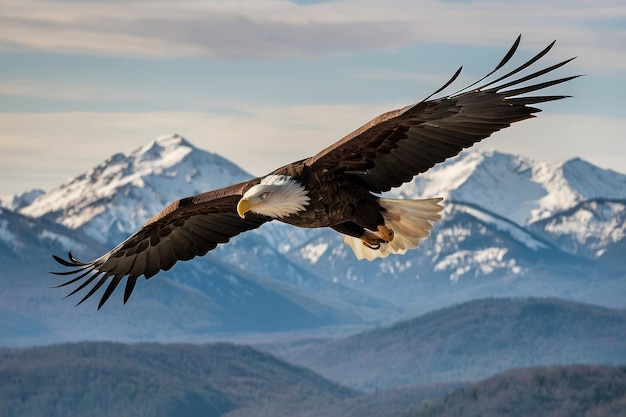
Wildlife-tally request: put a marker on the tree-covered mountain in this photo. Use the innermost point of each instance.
(105, 379)
(470, 341)
(544, 392)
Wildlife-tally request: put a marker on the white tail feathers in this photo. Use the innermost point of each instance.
(410, 220)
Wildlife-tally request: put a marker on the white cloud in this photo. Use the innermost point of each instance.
(46, 148)
(281, 29)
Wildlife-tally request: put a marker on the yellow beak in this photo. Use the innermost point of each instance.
(244, 205)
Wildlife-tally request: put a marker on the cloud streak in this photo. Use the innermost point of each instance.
(260, 140)
(67, 91)
(253, 62)
(280, 29)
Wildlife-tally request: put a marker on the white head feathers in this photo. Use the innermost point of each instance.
(275, 196)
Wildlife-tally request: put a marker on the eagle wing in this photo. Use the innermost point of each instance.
(185, 229)
(394, 147)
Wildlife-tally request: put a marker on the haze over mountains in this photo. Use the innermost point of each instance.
(105, 378)
(512, 227)
(468, 342)
(379, 338)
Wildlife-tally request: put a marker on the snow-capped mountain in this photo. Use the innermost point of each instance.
(113, 200)
(166, 169)
(522, 191)
(515, 187)
(246, 285)
(16, 202)
(512, 226)
(588, 228)
(194, 301)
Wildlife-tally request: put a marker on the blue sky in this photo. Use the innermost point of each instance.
(264, 83)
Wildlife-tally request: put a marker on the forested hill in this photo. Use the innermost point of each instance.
(471, 341)
(540, 392)
(111, 379)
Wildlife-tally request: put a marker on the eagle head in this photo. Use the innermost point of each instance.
(276, 196)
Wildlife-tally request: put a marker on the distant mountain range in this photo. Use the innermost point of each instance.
(560, 391)
(112, 379)
(512, 227)
(468, 342)
(105, 379)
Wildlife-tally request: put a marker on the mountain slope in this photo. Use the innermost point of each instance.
(516, 187)
(114, 199)
(16, 202)
(470, 254)
(191, 302)
(511, 227)
(105, 379)
(554, 392)
(589, 228)
(146, 180)
(471, 341)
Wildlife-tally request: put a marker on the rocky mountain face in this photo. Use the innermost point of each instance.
(511, 227)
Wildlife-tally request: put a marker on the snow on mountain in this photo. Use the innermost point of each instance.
(471, 241)
(515, 187)
(166, 169)
(16, 202)
(515, 231)
(6, 235)
(457, 259)
(506, 194)
(572, 182)
(588, 228)
(512, 227)
(114, 199)
(485, 179)
(509, 187)
(23, 237)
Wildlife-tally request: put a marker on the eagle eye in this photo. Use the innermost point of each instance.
(264, 195)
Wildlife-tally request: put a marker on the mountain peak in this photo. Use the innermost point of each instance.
(172, 147)
(516, 187)
(16, 202)
(152, 176)
(165, 142)
(591, 181)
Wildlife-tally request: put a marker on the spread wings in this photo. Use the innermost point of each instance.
(384, 153)
(394, 147)
(186, 228)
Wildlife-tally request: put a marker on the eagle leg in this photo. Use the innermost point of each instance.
(371, 239)
(372, 246)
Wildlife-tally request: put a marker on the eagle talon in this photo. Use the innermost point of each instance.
(374, 246)
(386, 233)
(372, 240)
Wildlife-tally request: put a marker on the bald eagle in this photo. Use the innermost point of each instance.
(337, 188)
